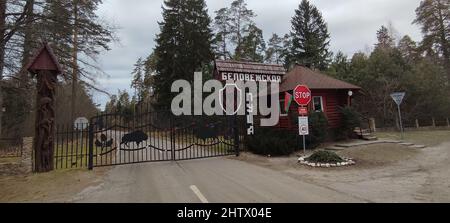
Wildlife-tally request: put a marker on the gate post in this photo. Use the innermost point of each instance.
(91, 146)
(46, 68)
(236, 136)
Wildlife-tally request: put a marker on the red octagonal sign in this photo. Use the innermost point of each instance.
(302, 95)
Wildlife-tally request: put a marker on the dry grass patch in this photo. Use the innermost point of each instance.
(56, 186)
(379, 154)
(428, 138)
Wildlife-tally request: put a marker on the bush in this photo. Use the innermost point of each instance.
(281, 142)
(351, 119)
(270, 141)
(324, 157)
(318, 125)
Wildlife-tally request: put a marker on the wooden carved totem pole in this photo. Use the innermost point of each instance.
(46, 68)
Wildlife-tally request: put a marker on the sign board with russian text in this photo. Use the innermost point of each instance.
(229, 76)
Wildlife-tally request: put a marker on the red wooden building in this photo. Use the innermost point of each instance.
(328, 93)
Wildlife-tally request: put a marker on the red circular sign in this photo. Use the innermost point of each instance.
(302, 95)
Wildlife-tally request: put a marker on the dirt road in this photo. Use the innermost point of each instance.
(384, 173)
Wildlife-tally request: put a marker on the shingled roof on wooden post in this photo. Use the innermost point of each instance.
(45, 66)
(249, 67)
(44, 59)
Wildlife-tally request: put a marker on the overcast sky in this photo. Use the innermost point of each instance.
(352, 24)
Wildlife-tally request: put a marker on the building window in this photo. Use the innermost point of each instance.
(318, 104)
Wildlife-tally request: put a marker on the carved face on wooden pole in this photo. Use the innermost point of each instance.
(46, 68)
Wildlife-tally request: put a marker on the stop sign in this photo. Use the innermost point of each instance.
(302, 95)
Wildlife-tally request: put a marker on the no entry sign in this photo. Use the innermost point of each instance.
(302, 95)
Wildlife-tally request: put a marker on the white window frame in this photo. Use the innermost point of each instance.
(321, 104)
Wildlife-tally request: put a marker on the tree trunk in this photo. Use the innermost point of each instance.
(444, 43)
(224, 49)
(45, 124)
(23, 75)
(27, 43)
(2, 55)
(74, 60)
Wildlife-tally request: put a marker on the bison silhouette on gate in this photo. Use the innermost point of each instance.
(137, 137)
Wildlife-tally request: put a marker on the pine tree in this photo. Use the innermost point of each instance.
(149, 77)
(78, 37)
(138, 79)
(241, 21)
(385, 40)
(274, 50)
(183, 46)
(434, 16)
(223, 30)
(252, 47)
(286, 51)
(310, 38)
(408, 49)
(340, 66)
(236, 30)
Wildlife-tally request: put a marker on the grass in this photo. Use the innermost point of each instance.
(71, 157)
(54, 186)
(428, 138)
(74, 154)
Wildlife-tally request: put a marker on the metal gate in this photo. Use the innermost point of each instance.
(116, 139)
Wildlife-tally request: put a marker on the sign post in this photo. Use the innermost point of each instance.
(303, 127)
(398, 98)
(80, 124)
(303, 96)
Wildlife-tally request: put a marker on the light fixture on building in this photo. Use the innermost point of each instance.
(350, 93)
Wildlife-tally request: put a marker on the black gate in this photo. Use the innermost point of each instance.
(116, 139)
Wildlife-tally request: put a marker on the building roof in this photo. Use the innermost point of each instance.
(312, 79)
(249, 67)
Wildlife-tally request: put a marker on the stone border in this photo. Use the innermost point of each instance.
(347, 162)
